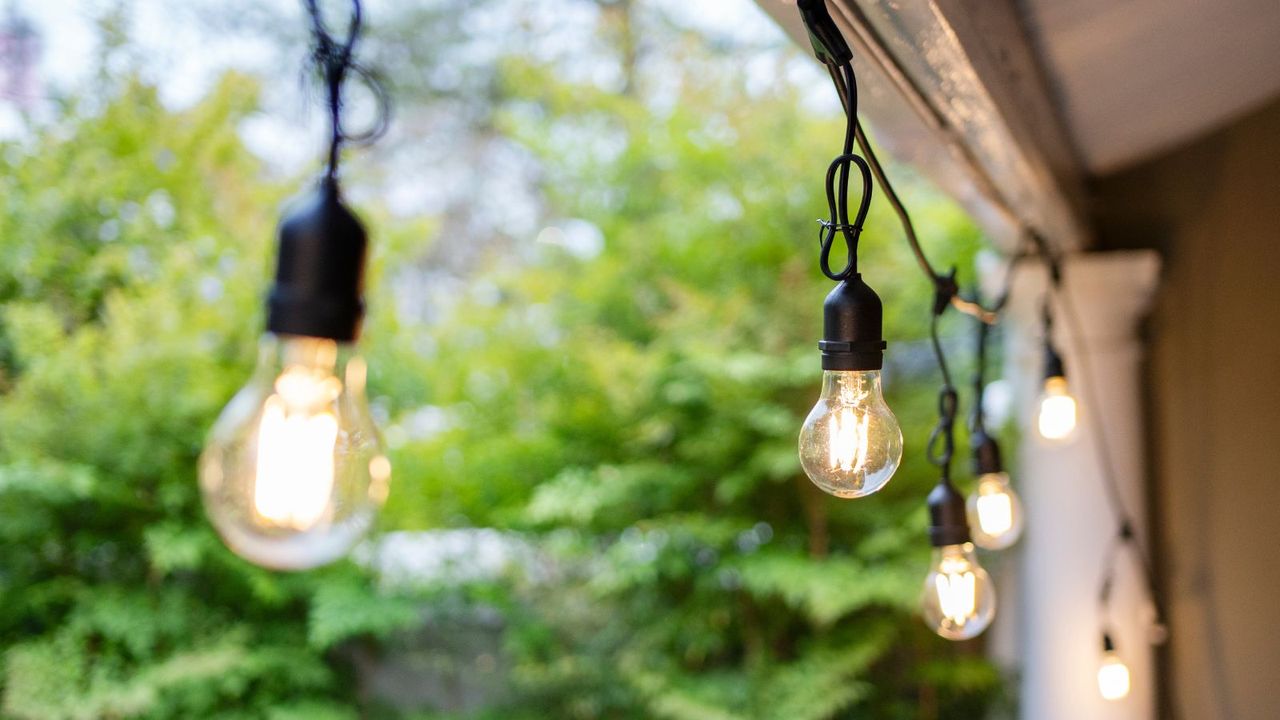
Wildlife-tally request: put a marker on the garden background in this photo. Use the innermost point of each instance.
(594, 306)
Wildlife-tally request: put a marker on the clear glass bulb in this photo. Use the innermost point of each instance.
(959, 599)
(850, 445)
(293, 471)
(1056, 419)
(995, 512)
(1113, 677)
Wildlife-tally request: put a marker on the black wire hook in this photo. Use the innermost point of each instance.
(944, 432)
(852, 230)
(333, 59)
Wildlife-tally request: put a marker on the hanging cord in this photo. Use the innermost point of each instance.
(977, 423)
(334, 60)
(844, 82)
(1125, 538)
(942, 444)
(983, 332)
(838, 200)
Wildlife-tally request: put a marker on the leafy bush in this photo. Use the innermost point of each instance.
(623, 394)
(636, 411)
(134, 244)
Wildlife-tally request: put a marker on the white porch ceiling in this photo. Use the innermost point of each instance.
(1136, 77)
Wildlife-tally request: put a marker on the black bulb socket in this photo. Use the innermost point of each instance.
(1053, 365)
(319, 285)
(986, 453)
(948, 521)
(1108, 645)
(852, 327)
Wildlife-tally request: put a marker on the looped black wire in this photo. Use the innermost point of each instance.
(948, 406)
(978, 422)
(1046, 253)
(944, 432)
(333, 59)
(372, 82)
(839, 208)
(838, 194)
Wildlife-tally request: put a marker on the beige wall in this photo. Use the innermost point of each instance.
(1213, 210)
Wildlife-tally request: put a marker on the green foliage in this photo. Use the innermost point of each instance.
(346, 610)
(135, 242)
(635, 411)
(631, 413)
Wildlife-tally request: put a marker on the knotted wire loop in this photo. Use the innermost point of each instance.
(942, 445)
(837, 184)
(838, 207)
(977, 421)
(948, 402)
(333, 60)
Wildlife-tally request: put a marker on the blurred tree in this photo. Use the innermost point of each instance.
(133, 247)
(630, 394)
(620, 380)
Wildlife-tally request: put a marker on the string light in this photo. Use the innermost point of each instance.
(1113, 674)
(959, 598)
(957, 603)
(1124, 538)
(293, 472)
(1056, 408)
(850, 444)
(995, 511)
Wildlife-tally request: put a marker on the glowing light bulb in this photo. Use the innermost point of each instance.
(850, 444)
(1113, 677)
(959, 599)
(1056, 420)
(293, 472)
(995, 512)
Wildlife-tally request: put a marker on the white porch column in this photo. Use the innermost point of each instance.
(1049, 625)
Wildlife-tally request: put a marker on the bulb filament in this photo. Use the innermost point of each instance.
(1057, 418)
(995, 513)
(957, 596)
(296, 440)
(848, 434)
(1113, 678)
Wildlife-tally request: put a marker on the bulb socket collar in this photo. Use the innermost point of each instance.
(852, 327)
(986, 454)
(948, 521)
(319, 283)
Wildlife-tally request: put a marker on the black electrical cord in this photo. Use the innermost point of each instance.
(845, 87)
(978, 422)
(319, 282)
(838, 199)
(948, 404)
(333, 59)
(941, 445)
